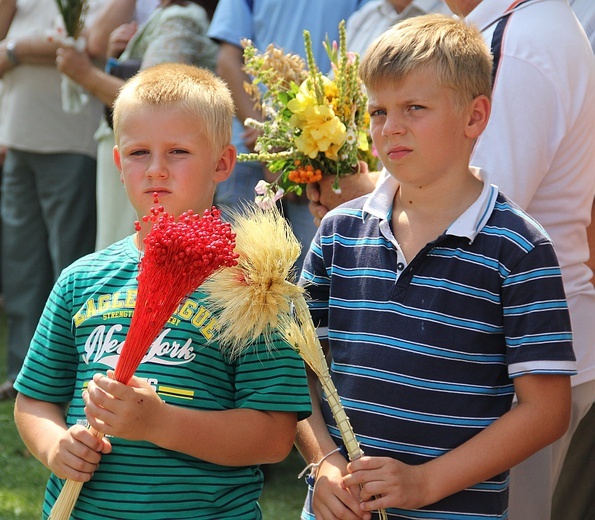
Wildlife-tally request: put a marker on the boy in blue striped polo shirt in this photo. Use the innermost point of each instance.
(186, 438)
(440, 299)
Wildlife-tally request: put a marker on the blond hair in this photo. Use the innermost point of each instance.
(191, 88)
(445, 46)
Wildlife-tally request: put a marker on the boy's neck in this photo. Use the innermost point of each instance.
(420, 215)
(139, 241)
(448, 196)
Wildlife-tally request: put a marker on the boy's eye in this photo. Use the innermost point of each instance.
(415, 108)
(377, 112)
(138, 152)
(179, 151)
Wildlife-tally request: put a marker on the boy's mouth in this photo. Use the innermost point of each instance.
(158, 190)
(398, 152)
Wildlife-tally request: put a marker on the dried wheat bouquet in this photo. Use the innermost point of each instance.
(257, 296)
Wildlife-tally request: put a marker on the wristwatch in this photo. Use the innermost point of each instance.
(10, 52)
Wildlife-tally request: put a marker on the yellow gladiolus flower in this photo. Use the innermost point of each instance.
(304, 98)
(322, 131)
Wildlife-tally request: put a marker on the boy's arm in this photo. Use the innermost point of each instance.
(541, 417)
(69, 453)
(236, 437)
(314, 442)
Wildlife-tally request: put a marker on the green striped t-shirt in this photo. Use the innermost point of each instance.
(81, 333)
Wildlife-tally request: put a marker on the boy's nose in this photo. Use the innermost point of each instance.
(157, 168)
(393, 125)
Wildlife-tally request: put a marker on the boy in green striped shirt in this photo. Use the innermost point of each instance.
(186, 437)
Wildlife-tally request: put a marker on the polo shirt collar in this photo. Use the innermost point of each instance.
(380, 205)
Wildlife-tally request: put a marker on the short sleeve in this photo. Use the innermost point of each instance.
(231, 22)
(272, 378)
(536, 317)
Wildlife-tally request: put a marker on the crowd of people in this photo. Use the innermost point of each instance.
(452, 288)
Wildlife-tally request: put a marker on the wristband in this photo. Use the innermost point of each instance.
(110, 65)
(10, 52)
(313, 466)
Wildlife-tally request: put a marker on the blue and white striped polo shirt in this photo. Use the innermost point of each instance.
(424, 353)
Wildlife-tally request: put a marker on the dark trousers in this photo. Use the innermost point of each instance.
(48, 220)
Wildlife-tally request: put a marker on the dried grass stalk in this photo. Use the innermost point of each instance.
(257, 297)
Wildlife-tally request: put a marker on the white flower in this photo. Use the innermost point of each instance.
(262, 187)
(267, 197)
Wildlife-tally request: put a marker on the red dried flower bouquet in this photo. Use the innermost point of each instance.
(180, 254)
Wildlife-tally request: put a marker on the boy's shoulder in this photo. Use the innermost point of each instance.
(111, 257)
(510, 217)
(350, 209)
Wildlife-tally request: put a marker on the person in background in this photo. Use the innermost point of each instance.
(174, 32)
(186, 437)
(548, 168)
(2, 157)
(545, 162)
(440, 299)
(573, 497)
(265, 22)
(111, 31)
(48, 185)
(114, 14)
(376, 16)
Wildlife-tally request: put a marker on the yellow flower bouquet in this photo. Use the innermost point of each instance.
(313, 125)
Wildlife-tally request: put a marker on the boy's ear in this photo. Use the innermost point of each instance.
(225, 164)
(117, 159)
(479, 114)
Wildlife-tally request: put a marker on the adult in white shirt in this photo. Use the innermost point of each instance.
(543, 124)
(376, 16)
(48, 179)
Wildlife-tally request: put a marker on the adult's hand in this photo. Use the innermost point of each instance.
(76, 65)
(322, 198)
(119, 38)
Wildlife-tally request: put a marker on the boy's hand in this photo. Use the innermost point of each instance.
(77, 453)
(385, 482)
(125, 411)
(332, 500)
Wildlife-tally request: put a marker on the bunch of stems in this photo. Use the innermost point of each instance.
(73, 13)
